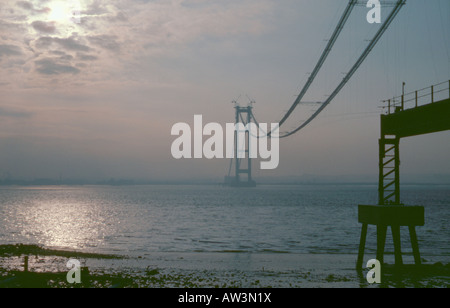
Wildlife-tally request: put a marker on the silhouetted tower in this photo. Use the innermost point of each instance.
(401, 123)
(243, 116)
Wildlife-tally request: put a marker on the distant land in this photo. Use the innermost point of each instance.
(307, 179)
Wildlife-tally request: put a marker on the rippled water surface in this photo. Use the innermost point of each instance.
(140, 220)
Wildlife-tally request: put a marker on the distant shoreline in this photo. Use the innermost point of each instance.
(31, 183)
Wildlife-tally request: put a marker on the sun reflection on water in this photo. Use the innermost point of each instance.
(65, 224)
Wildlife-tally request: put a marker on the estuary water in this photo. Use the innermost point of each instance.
(202, 222)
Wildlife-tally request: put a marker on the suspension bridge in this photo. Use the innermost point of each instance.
(236, 179)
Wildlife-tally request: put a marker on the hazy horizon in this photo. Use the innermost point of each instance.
(304, 179)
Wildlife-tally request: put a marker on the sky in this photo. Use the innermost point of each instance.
(94, 94)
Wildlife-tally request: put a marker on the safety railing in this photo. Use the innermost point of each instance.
(418, 98)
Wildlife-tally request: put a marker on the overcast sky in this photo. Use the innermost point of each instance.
(95, 95)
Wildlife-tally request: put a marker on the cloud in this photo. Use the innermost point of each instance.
(119, 17)
(9, 50)
(70, 43)
(95, 8)
(25, 5)
(28, 6)
(105, 41)
(14, 113)
(84, 57)
(50, 66)
(45, 27)
(138, 30)
(165, 24)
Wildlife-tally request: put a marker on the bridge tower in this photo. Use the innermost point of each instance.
(242, 166)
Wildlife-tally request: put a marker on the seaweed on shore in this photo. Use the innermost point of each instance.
(30, 249)
(20, 279)
(423, 276)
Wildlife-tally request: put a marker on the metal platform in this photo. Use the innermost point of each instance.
(390, 212)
